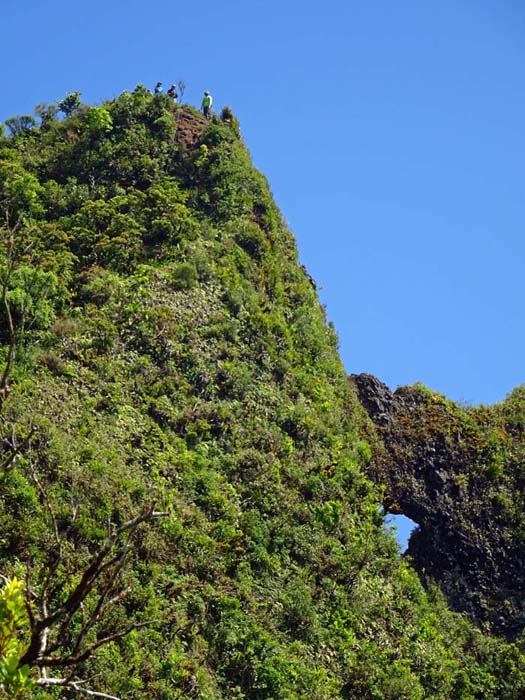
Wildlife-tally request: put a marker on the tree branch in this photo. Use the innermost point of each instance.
(40, 651)
(15, 450)
(73, 685)
(12, 257)
(10, 324)
(72, 660)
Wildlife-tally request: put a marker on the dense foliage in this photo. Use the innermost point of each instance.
(14, 677)
(161, 344)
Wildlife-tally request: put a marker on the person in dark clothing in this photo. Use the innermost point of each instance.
(172, 92)
(158, 88)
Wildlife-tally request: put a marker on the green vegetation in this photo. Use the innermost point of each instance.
(161, 348)
(14, 677)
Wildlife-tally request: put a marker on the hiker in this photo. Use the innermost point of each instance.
(207, 102)
(172, 92)
(159, 89)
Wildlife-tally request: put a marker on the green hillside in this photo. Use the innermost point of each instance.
(183, 490)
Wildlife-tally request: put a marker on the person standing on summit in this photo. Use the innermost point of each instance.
(207, 102)
(158, 88)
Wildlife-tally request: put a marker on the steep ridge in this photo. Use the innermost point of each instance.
(163, 352)
(459, 473)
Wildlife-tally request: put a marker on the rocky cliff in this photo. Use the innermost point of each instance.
(459, 474)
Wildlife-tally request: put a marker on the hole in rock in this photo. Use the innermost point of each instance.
(402, 527)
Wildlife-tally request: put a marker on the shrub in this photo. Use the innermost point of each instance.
(20, 191)
(97, 286)
(98, 120)
(164, 126)
(160, 230)
(184, 276)
(31, 297)
(53, 362)
(14, 680)
(251, 240)
(228, 117)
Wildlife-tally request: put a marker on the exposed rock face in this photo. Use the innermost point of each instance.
(189, 129)
(458, 473)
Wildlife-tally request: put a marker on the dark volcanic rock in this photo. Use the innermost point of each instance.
(458, 473)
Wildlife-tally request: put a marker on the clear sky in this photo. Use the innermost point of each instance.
(392, 134)
(402, 528)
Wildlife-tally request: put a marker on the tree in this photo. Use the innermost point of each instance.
(20, 192)
(70, 104)
(7, 268)
(64, 631)
(21, 124)
(47, 114)
(26, 296)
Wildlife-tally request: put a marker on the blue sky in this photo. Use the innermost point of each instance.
(402, 528)
(392, 135)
